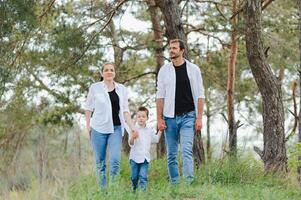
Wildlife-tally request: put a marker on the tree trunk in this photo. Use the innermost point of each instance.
(198, 150)
(125, 145)
(299, 127)
(274, 152)
(42, 159)
(172, 20)
(79, 152)
(66, 142)
(231, 82)
(208, 116)
(118, 53)
(158, 35)
(208, 109)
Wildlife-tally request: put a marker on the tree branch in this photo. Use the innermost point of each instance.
(264, 4)
(46, 10)
(44, 87)
(112, 12)
(137, 77)
(258, 151)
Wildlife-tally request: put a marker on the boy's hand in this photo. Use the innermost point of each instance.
(134, 134)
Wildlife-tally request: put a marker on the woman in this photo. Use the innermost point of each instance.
(108, 102)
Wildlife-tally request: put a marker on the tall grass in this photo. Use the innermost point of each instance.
(226, 179)
(218, 179)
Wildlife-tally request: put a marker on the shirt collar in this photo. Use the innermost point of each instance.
(140, 127)
(117, 85)
(170, 64)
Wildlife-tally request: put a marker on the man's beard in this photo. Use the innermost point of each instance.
(173, 56)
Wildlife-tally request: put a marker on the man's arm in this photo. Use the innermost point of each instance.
(199, 115)
(160, 120)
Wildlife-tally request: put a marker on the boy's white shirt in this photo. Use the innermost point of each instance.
(140, 150)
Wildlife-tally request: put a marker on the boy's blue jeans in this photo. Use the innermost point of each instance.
(101, 143)
(180, 128)
(139, 173)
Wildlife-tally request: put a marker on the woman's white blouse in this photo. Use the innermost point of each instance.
(98, 101)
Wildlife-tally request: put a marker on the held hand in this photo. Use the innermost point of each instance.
(198, 124)
(161, 124)
(134, 134)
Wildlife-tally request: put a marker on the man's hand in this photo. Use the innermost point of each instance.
(161, 124)
(198, 124)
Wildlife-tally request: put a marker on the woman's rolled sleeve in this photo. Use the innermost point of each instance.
(125, 105)
(89, 103)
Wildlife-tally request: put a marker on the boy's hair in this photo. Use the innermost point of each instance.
(143, 109)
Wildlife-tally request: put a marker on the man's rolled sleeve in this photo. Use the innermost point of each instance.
(160, 86)
(200, 86)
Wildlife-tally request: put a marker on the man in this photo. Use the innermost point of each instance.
(180, 102)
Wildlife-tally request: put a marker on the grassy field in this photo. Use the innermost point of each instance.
(219, 179)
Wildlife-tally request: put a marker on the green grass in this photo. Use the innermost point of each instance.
(217, 180)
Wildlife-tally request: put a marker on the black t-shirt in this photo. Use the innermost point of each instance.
(115, 107)
(184, 100)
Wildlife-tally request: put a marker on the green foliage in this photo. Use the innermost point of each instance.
(17, 14)
(294, 153)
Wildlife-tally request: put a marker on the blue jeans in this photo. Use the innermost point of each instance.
(101, 143)
(180, 128)
(139, 173)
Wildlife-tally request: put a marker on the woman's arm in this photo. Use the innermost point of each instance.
(129, 121)
(88, 114)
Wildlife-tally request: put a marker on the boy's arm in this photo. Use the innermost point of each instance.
(132, 137)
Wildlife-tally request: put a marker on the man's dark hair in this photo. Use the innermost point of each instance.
(181, 43)
(143, 109)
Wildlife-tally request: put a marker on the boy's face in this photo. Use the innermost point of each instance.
(141, 118)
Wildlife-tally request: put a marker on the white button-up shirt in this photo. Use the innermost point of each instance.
(98, 101)
(140, 150)
(166, 86)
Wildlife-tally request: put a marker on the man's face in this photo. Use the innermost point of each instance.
(175, 51)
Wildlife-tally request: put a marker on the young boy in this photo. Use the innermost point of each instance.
(140, 149)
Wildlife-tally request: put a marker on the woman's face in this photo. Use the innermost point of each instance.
(108, 72)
